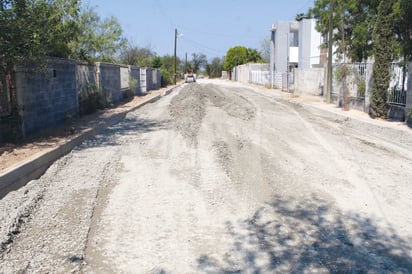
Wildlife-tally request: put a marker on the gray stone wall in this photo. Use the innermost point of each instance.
(135, 76)
(109, 82)
(143, 81)
(156, 79)
(85, 77)
(124, 77)
(66, 88)
(149, 79)
(49, 98)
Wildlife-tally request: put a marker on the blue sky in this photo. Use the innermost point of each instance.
(209, 26)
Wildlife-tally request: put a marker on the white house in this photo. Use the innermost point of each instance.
(293, 44)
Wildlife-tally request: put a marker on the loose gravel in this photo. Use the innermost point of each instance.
(217, 178)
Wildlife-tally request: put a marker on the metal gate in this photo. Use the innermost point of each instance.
(398, 85)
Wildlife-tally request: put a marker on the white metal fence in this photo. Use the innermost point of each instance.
(398, 85)
(260, 77)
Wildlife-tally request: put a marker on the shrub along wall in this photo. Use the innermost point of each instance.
(86, 86)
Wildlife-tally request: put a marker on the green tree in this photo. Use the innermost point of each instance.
(215, 68)
(235, 56)
(253, 56)
(156, 62)
(97, 40)
(402, 14)
(168, 62)
(383, 37)
(240, 55)
(198, 60)
(167, 69)
(32, 30)
(137, 56)
(129, 55)
(353, 20)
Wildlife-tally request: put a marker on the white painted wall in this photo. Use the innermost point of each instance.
(293, 54)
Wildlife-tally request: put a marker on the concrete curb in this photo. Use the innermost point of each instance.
(32, 169)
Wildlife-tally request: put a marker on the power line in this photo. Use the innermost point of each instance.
(202, 46)
(185, 28)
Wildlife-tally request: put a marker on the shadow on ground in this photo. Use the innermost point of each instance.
(130, 126)
(309, 236)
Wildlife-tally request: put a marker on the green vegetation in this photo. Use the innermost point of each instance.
(353, 19)
(240, 55)
(32, 30)
(365, 28)
(96, 39)
(214, 69)
(384, 50)
(89, 100)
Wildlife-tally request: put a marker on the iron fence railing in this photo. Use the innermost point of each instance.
(397, 96)
(398, 84)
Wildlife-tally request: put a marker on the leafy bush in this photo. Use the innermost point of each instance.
(167, 77)
(89, 100)
(11, 127)
(128, 94)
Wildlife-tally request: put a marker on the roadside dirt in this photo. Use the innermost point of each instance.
(15, 154)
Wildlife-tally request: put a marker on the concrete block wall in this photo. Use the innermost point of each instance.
(260, 77)
(51, 97)
(85, 76)
(149, 79)
(277, 80)
(143, 81)
(109, 82)
(135, 74)
(124, 77)
(246, 73)
(156, 78)
(309, 81)
(241, 73)
(47, 99)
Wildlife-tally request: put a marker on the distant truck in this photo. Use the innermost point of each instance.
(190, 77)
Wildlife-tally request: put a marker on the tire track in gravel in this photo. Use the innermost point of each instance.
(54, 236)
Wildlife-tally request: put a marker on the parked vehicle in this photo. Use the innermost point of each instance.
(190, 77)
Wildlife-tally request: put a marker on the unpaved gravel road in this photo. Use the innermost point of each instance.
(217, 178)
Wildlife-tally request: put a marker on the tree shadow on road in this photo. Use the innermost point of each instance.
(133, 126)
(309, 236)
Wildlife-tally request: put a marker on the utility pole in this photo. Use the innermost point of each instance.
(330, 44)
(175, 53)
